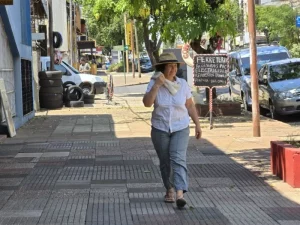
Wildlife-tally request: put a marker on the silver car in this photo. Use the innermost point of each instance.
(279, 87)
(239, 69)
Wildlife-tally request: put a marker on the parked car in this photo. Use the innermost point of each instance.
(89, 83)
(279, 87)
(146, 65)
(239, 79)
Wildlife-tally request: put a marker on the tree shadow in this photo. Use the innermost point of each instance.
(109, 168)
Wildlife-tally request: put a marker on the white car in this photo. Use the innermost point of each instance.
(89, 83)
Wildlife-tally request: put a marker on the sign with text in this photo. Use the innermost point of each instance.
(210, 70)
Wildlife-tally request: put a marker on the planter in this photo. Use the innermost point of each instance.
(220, 109)
(285, 162)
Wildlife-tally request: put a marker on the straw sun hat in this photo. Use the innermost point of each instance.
(167, 57)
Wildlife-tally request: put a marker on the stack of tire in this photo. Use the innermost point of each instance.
(51, 89)
(88, 90)
(73, 95)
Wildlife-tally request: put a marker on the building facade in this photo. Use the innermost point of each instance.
(16, 60)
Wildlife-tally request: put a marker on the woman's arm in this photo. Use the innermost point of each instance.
(150, 96)
(194, 115)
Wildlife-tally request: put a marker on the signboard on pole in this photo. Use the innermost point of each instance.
(128, 34)
(210, 70)
(298, 21)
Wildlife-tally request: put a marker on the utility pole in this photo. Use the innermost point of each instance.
(132, 48)
(124, 62)
(253, 69)
(71, 34)
(126, 43)
(51, 35)
(137, 48)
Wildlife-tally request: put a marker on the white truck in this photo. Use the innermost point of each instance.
(89, 83)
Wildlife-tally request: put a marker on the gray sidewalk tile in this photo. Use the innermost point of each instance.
(84, 175)
(110, 172)
(30, 155)
(10, 181)
(283, 213)
(55, 154)
(19, 220)
(289, 222)
(4, 196)
(64, 211)
(20, 213)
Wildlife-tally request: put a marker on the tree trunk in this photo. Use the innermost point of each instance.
(151, 47)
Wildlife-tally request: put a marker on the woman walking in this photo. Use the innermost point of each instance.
(173, 107)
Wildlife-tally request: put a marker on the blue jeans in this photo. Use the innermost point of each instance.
(171, 150)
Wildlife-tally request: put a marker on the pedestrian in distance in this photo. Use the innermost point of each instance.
(173, 107)
(84, 66)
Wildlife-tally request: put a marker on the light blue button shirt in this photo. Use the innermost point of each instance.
(170, 113)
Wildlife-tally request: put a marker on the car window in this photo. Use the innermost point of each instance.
(285, 71)
(71, 68)
(145, 61)
(262, 59)
(57, 67)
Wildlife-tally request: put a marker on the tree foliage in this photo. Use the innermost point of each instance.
(165, 20)
(280, 23)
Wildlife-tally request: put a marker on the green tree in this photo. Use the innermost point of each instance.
(165, 20)
(280, 23)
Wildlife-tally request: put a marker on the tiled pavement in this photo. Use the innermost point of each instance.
(102, 169)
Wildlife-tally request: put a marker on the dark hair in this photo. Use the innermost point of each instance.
(161, 67)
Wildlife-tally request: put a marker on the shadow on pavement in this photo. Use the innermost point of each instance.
(93, 169)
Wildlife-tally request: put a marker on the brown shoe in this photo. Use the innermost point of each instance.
(169, 197)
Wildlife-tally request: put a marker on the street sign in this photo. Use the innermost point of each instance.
(126, 47)
(298, 21)
(210, 70)
(128, 35)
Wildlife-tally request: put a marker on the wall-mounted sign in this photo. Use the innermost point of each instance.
(6, 2)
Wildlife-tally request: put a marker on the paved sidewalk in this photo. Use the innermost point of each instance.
(97, 166)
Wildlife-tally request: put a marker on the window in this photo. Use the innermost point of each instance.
(285, 72)
(58, 67)
(71, 68)
(262, 59)
(27, 95)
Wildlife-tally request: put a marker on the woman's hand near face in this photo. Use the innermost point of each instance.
(160, 80)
